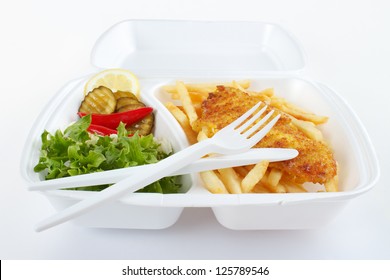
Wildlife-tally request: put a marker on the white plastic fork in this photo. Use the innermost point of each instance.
(235, 138)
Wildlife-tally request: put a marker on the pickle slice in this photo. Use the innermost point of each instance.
(119, 94)
(124, 102)
(100, 100)
(144, 126)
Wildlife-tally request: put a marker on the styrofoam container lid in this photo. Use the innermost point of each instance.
(197, 48)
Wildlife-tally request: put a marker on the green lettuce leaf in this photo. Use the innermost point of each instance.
(75, 152)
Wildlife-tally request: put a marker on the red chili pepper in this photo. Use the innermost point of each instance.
(101, 130)
(112, 120)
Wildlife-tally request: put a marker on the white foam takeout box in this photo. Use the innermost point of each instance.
(161, 52)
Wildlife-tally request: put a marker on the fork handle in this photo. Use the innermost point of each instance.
(133, 183)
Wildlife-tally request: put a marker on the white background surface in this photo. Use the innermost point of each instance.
(44, 44)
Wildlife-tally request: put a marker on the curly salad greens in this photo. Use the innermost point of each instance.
(75, 151)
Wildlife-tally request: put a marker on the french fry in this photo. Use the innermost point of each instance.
(294, 188)
(182, 120)
(268, 92)
(264, 179)
(212, 182)
(297, 112)
(274, 177)
(264, 95)
(199, 89)
(243, 84)
(279, 188)
(260, 188)
(331, 185)
(254, 176)
(308, 128)
(236, 85)
(301, 114)
(249, 167)
(197, 97)
(241, 170)
(210, 178)
(206, 87)
(230, 180)
(194, 95)
(198, 109)
(277, 102)
(291, 187)
(185, 98)
(201, 136)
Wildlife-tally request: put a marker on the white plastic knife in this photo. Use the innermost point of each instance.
(209, 163)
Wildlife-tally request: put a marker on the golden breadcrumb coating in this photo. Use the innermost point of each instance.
(315, 162)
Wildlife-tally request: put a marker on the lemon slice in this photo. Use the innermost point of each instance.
(114, 79)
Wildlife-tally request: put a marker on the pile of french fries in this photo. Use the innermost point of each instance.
(257, 178)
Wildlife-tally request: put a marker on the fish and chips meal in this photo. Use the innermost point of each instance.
(115, 131)
(203, 109)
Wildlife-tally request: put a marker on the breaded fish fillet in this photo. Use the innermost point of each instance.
(315, 162)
